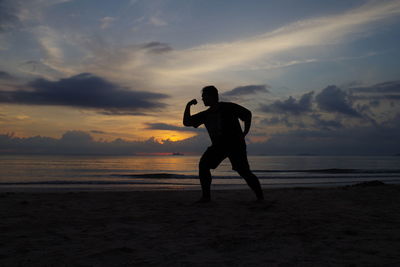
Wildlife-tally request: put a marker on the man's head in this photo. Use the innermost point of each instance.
(209, 95)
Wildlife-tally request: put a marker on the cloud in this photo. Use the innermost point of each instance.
(291, 105)
(246, 90)
(313, 32)
(367, 140)
(122, 112)
(157, 21)
(385, 87)
(335, 108)
(277, 120)
(186, 66)
(169, 127)
(157, 47)
(9, 18)
(387, 90)
(13, 13)
(98, 132)
(133, 2)
(311, 121)
(182, 67)
(334, 99)
(378, 97)
(106, 22)
(85, 90)
(76, 137)
(39, 68)
(80, 142)
(325, 124)
(5, 76)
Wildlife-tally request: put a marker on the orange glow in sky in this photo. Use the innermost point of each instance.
(162, 136)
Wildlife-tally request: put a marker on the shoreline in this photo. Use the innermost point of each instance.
(335, 226)
(64, 188)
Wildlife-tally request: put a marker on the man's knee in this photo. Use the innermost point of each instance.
(204, 165)
(246, 174)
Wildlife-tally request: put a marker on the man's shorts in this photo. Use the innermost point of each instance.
(214, 155)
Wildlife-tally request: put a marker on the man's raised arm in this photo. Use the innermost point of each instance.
(187, 118)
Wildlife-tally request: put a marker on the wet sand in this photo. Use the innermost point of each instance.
(347, 226)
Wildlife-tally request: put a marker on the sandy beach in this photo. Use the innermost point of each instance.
(347, 226)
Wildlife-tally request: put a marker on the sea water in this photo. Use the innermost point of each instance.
(179, 172)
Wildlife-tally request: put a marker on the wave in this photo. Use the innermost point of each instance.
(333, 171)
(276, 174)
(165, 178)
(90, 183)
(155, 176)
(174, 184)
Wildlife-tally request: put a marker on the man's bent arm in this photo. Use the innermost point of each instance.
(186, 115)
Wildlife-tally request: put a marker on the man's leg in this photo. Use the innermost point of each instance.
(253, 182)
(205, 181)
(238, 158)
(205, 175)
(210, 160)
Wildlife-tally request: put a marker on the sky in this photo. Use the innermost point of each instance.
(320, 77)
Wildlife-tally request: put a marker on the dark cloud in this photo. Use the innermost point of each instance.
(157, 47)
(76, 137)
(321, 123)
(386, 87)
(246, 90)
(276, 121)
(391, 97)
(8, 18)
(86, 90)
(356, 103)
(169, 127)
(282, 120)
(374, 103)
(79, 142)
(122, 112)
(291, 105)
(381, 140)
(344, 141)
(381, 91)
(5, 76)
(377, 96)
(334, 99)
(316, 121)
(98, 132)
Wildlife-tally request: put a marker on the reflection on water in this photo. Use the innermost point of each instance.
(180, 172)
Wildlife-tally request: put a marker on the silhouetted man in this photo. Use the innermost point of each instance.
(227, 137)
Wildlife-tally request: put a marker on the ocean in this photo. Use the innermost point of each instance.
(179, 172)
